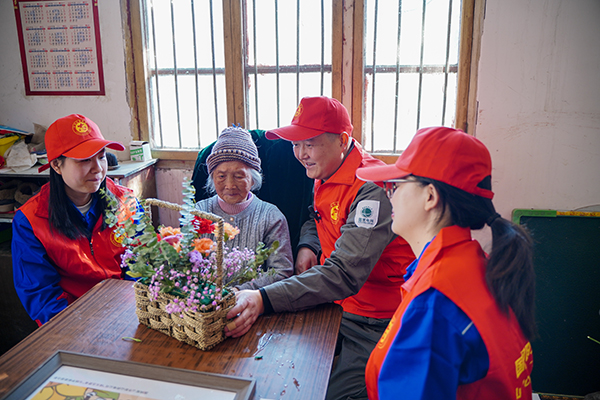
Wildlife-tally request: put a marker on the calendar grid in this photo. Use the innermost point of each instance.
(60, 47)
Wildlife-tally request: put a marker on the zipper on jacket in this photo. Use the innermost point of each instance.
(92, 250)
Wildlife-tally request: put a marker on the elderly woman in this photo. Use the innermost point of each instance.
(233, 173)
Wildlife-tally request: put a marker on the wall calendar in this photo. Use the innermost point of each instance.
(60, 47)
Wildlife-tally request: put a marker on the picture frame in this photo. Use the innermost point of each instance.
(61, 52)
(69, 371)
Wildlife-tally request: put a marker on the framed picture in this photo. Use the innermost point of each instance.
(72, 376)
(60, 47)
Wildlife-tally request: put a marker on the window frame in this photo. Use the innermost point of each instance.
(347, 67)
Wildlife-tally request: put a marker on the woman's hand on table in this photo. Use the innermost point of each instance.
(248, 307)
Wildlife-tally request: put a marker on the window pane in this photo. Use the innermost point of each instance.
(436, 28)
(289, 57)
(411, 67)
(168, 112)
(267, 112)
(163, 32)
(186, 81)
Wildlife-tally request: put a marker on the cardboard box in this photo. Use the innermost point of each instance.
(140, 151)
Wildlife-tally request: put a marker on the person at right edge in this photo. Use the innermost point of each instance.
(464, 326)
(362, 262)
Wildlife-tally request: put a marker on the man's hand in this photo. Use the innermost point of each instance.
(304, 260)
(249, 306)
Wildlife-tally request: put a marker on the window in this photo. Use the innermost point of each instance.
(184, 72)
(410, 69)
(288, 57)
(201, 65)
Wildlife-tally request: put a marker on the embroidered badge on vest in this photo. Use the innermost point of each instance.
(334, 212)
(383, 340)
(116, 240)
(367, 213)
(521, 362)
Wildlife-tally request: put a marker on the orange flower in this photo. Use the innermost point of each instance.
(169, 231)
(171, 236)
(229, 231)
(203, 245)
(176, 246)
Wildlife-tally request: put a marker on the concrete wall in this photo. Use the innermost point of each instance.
(111, 112)
(539, 102)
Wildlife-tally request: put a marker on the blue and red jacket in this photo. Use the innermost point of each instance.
(50, 270)
(454, 265)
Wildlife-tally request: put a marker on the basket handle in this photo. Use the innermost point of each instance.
(211, 217)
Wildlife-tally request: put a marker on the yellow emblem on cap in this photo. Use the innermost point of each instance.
(298, 111)
(81, 127)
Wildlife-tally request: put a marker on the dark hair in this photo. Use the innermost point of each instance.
(65, 218)
(509, 274)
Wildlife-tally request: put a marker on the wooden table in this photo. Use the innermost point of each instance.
(296, 348)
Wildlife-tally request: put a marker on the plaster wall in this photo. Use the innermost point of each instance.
(111, 112)
(539, 102)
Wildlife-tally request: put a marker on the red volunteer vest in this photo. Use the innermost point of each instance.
(80, 263)
(380, 295)
(454, 264)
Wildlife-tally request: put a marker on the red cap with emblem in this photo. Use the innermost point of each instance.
(75, 136)
(443, 154)
(314, 116)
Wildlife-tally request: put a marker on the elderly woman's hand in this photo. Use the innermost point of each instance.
(249, 306)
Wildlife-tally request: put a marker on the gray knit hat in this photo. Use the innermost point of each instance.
(234, 144)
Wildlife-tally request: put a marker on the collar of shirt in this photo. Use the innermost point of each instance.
(234, 209)
(413, 266)
(91, 217)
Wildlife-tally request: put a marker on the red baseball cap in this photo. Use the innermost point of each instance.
(443, 154)
(75, 136)
(314, 116)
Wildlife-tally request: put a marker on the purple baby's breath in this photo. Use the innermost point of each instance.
(125, 257)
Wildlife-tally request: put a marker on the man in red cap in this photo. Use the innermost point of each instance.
(61, 245)
(347, 252)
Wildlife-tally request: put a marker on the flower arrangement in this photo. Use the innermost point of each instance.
(182, 262)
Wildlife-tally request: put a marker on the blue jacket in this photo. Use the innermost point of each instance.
(49, 270)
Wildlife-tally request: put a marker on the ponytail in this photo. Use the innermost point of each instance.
(510, 275)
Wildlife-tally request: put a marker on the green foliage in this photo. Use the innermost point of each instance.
(139, 236)
(262, 253)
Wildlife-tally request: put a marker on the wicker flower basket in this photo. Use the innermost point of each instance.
(202, 329)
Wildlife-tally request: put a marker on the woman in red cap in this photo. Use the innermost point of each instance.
(463, 328)
(61, 246)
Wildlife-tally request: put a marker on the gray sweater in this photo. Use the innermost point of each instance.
(259, 222)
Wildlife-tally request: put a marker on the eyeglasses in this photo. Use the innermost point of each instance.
(391, 185)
